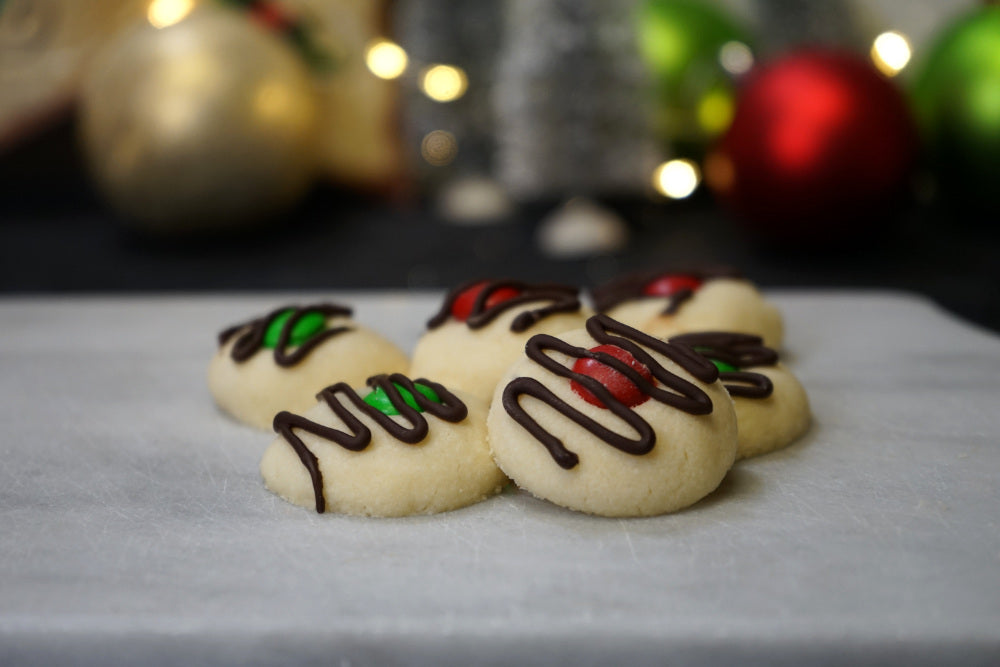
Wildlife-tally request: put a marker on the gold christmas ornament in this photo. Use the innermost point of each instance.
(208, 123)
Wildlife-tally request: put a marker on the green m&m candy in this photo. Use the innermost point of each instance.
(724, 367)
(307, 326)
(379, 400)
(721, 365)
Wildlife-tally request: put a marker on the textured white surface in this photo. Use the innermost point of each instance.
(134, 528)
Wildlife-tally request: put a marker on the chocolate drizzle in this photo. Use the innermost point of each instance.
(358, 436)
(738, 350)
(679, 393)
(563, 297)
(631, 286)
(251, 340)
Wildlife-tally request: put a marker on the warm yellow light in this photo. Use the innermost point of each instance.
(163, 13)
(272, 100)
(444, 83)
(736, 58)
(385, 59)
(891, 52)
(715, 111)
(676, 179)
(439, 148)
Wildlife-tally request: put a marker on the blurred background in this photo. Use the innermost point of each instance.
(218, 145)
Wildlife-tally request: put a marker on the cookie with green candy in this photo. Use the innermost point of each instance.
(772, 408)
(398, 447)
(280, 360)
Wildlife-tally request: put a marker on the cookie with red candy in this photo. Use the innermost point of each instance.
(609, 420)
(482, 326)
(669, 302)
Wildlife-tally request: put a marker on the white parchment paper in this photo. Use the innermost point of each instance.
(134, 527)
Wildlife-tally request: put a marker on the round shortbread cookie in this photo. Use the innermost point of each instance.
(665, 304)
(772, 408)
(482, 327)
(671, 448)
(256, 373)
(400, 448)
(776, 421)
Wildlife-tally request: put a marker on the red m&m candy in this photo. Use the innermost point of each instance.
(623, 389)
(670, 284)
(463, 304)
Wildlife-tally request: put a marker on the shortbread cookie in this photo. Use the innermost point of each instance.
(664, 303)
(399, 448)
(279, 361)
(772, 408)
(611, 421)
(482, 327)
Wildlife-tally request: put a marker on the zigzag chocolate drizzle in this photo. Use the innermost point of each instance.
(683, 395)
(630, 286)
(252, 339)
(563, 297)
(739, 350)
(358, 436)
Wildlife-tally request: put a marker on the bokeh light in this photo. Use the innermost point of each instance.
(891, 52)
(444, 83)
(164, 13)
(439, 148)
(736, 58)
(386, 59)
(715, 111)
(676, 179)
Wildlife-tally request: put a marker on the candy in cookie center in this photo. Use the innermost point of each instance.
(724, 367)
(621, 387)
(721, 365)
(670, 284)
(465, 303)
(307, 326)
(379, 400)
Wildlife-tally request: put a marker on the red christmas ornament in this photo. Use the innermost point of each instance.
(821, 143)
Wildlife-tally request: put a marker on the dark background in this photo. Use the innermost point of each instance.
(58, 237)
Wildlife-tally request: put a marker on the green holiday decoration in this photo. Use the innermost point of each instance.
(956, 97)
(693, 52)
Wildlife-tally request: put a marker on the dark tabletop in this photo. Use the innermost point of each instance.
(58, 236)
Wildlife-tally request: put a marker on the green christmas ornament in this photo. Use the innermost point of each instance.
(693, 52)
(956, 98)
